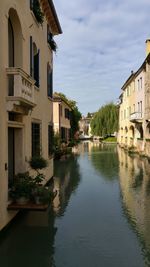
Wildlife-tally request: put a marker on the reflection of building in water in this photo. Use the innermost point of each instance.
(66, 181)
(31, 239)
(134, 175)
(60, 186)
(87, 146)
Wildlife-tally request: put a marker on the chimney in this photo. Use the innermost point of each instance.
(147, 46)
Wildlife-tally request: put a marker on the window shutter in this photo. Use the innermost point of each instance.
(49, 81)
(31, 4)
(31, 57)
(36, 68)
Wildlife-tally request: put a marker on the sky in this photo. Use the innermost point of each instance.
(102, 42)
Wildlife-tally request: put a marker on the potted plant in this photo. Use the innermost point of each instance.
(21, 188)
(42, 195)
(38, 163)
(52, 42)
(37, 11)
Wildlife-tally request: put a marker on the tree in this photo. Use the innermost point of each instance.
(75, 113)
(105, 121)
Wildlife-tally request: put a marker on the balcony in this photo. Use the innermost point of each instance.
(136, 117)
(20, 97)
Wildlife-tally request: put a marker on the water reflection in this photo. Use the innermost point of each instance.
(66, 181)
(134, 173)
(105, 160)
(29, 241)
(100, 216)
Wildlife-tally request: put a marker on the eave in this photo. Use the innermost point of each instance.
(51, 16)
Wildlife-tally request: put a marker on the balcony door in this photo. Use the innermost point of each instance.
(15, 153)
(11, 155)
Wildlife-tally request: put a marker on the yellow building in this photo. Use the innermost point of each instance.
(134, 108)
(61, 118)
(26, 37)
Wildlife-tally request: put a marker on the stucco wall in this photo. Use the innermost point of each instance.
(42, 112)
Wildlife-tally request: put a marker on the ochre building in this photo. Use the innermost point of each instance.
(26, 68)
(134, 109)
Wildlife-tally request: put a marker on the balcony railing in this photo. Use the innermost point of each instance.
(136, 116)
(20, 88)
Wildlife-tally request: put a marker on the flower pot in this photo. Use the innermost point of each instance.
(37, 200)
(22, 200)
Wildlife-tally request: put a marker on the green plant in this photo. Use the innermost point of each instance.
(22, 186)
(52, 43)
(38, 12)
(42, 194)
(38, 163)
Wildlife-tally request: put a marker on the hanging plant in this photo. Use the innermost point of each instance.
(38, 12)
(51, 42)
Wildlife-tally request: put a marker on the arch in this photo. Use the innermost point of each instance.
(132, 131)
(139, 130)
(126, 129)
(148, 130)
(15, 39)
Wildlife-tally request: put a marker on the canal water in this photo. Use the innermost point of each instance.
(100, 216)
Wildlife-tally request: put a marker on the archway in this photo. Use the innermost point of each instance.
(14, 40)
(148, 130)
(131, 131)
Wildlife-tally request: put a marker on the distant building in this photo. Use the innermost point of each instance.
(61, 118)
(84, 126)
(134, 108)
(26, 67)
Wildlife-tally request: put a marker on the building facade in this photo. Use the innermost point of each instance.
(26, 66)
(61, 118)
(84, 126)
(134, 109)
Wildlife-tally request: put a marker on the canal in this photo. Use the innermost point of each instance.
(100, 216)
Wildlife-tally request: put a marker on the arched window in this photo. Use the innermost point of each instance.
(10, 44)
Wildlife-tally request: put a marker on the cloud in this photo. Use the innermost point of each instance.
(102, 42)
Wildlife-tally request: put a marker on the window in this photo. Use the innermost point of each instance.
(138, 106)
(63, 135)
(60, 110)
(138, 84)
(141, 83)
(34, 61)
(67, 113)
(50, 140)
(36, 140)
(129, 111)
(128, 91)
(37, 11)
(124, 114)
(49, 81)
(121, 115)
(141, 107)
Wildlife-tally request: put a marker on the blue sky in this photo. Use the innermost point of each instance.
(102, 41)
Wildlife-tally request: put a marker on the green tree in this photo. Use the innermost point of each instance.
(75, 113)
(105, 120)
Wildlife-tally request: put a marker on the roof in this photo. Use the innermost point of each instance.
(60, 99)
(134, 75)
(55, 15)
(51, 16)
